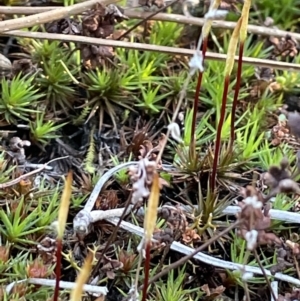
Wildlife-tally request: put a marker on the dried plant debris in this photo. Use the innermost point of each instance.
(16, 149)
(284, 47)
(255, 221)
(294, 123)
(163, 236)
(110, 266)
(284, 260)
(174, 216)
(25, 67)
(264, 78)
(213, 293)
(107, 200)
(65, 26)
(99, 23)
(279, 180)
(152, 5)
(142, 178)
(264, 74)
(280, 132)
(231, 5)
(293, 296)
(47, 249)
(140, 136)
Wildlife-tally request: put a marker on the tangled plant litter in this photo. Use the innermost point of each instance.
(87, 139)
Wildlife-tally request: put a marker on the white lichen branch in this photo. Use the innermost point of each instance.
(92, 289)
(86, 217)
(274, 286)
(280, 215)
(176, 246)
(83, 219)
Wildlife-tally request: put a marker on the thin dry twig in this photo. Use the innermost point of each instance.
(150, 47)
(265, 275)
(24, 176)
(149, 17)
(261, 30)
(52, 15)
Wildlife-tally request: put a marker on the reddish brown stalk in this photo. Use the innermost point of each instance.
(146, 270)
(236, 94)
(57, 268)
(219, 132)
(197, 93)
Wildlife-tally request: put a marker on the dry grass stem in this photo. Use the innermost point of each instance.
(254, 29)
(150, 47)
(48, 16)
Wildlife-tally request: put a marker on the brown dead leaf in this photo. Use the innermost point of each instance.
(127, 258)
(107, 200)
(64, 26)
(190, 235)
(37, 269)
(212, 293)
(110, 266)
(285, 46)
